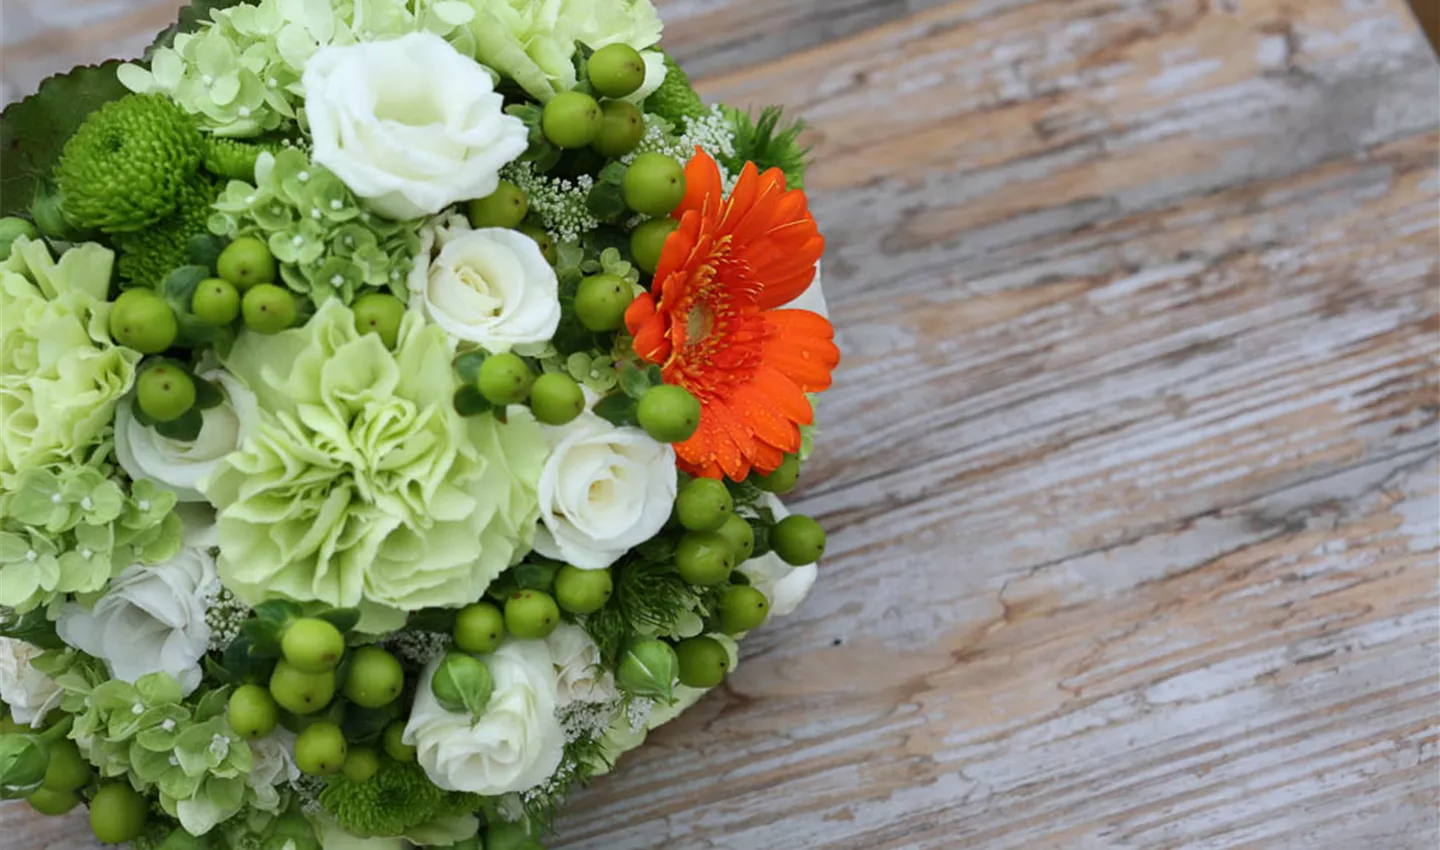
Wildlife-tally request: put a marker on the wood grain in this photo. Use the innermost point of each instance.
(1131, 468)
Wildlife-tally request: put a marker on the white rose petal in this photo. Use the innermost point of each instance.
(515, 745)
(580, 675)
(410, 124)
(29, 693)
(180, 466)
(151, 619)
(785, 586)
(491, 287)
(604, 490)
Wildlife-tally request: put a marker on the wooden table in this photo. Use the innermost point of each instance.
(1131, 467)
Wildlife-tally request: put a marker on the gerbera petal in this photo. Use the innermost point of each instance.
(782, 392)
(702, 185)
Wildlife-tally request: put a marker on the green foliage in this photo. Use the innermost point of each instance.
(676, 98)
(649, 598)
(33, 131)
(769, 142)
(149, 255)
(127, 165)
(396, 799)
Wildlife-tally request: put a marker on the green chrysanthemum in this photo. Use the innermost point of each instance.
(234, 159)
(361, 485)
(124, 169)
(147, 256)
(676, 98)
(397, 799)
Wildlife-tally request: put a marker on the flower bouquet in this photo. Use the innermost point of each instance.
(395, 397)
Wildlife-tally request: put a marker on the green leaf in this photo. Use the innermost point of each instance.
(32, 627)
(33, 131)
(614, 173)
(467, 366)
(432, 620)
(618, 409)
(207, 395)
(634, 381)
(278, 610)
(185, 429)
(343, 619)
(535, 576)
(606, 202)
(179, 286)
(365, 725)
(264, 635)
(204, 250)
(469, 402)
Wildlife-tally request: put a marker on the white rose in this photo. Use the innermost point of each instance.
(603, 491)
(580, 675)
(410, 124)
(179, 466)
(151, 619)
(29, 693)
(515, 745)
(785, 586)
(273, 766)
(491, 287)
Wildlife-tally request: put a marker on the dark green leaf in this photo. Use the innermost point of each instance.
(204, 250)
(607, 236)
(33, 131)
(467, 366)
(343, 619)
(618, 409)
(180, 285)
(185, 429)
(614, 173)
(535, 576)
(634, 381)
(606, 202)
(207, 395)
(32, 627)
(279, 610)
(365, 725)
(469, 402)
(657, 377)
(264, 636)
(219, 672)
(139, 413)
(432, 620)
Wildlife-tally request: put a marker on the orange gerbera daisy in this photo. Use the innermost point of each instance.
(712, 319)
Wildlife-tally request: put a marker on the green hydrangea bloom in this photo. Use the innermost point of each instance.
(123, 169)
(326, 243)
(361, 485)
(147, 256)
(396, 800)
(60, 373)
(676, 99)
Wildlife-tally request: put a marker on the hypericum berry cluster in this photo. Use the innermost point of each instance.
(559, 202)
(224, 614)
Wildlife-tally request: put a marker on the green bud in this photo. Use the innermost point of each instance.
(648, 669)
(12, 228)
(22, 766)
(179, 839)
(462, 683)
(48, 216)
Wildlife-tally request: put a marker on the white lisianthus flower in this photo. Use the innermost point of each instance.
(604, 490)
(515, 745)
(491, 287)
(274, 765)
(144, 454)
(29, 693)
(580, 675)
(785, 586)
(151, 619)
(410, 124)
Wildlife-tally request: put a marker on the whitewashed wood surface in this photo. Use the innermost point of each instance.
(1131, 467)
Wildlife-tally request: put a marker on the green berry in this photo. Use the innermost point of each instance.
(215, 302)
(462, 683)
(531, 614)
(253, 712)
(571, 119)
(798, 540)
(479, 628)
(118, 813)
(741, 536)
(379, 312)
(544, 240)
(622, 126)
(669, 414)
(505, 379)
(320, 750)
(165, 392)
(246, 262)
(312, 645)
(703, 662)
(375, 678)
(601, 302)
(556, 399)
(268, 309)
(704, 504)
(50, 802)
(654, 184)
(67, 770)
(583, 591)
(742, 608)
(617, 70)
(140, 319)
(300, 692)
(704, 558)
(392, 741)
(507, 206)
(361, 763)
(647, 242)
(784, 478)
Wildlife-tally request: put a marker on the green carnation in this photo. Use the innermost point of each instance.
(60, 373)
(676, 99)
(361, 485)
(123, 169)
(396, 800)
(148, 256)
